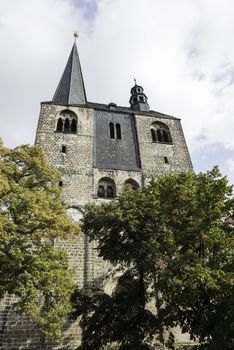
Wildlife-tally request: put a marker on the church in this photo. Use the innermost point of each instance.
(99, 149)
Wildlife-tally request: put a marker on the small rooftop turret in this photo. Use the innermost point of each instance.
(138, 99)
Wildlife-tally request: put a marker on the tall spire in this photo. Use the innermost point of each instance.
(71, 89)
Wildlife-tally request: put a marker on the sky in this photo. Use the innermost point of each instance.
(180, 51)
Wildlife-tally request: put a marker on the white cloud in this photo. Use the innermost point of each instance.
(180, 51)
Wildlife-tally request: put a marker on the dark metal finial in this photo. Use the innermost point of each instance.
(75, 34)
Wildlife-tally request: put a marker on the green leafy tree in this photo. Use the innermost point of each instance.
(173, 241)
(32, 217)
(197, 281)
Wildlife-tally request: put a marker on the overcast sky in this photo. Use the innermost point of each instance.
(180, 51)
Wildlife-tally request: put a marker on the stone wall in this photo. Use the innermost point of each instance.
(152, 154)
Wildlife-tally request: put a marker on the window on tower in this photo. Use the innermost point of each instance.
(59, 125)
(112, 130)
(64, 149)
(67, 125)
(118, 131)
(106, 188)
(109, 191)
(73, 126)
(115, 131)
(101, 191)
(66, 122)
(160, 133)
(130, 184)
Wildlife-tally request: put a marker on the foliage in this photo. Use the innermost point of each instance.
(173, 241)
(108, 319)
(31, 218)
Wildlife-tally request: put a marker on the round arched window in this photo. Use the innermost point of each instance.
(160, 133)
(130, 184)
(106, 188)
(66, 122)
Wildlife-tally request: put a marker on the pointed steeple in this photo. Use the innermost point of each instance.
(71, 89)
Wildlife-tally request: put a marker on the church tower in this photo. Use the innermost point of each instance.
(100, 149)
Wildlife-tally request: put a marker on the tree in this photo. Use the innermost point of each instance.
(32, 217)
(198, 282)
(173, 241)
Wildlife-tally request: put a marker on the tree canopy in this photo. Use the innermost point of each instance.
(173, 242)
(32, 217)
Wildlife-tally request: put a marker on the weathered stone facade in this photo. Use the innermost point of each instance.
(98, 149)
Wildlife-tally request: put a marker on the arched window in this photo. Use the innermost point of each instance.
(109, 191)
(101, 191)
(106, 188)
(59, 125)
(112, 130)
(67, 122)
(130, 184)
(160, 133)
(118, 131)
(67, 125)
(166, 136)
(73, 126)
(153, 134)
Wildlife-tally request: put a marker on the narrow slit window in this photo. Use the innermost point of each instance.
(112, 130)
(67, 125)
(60, 183)
(165, 136)
(159, 135)
(118, 131)
(153, 134)
(166, 161)
(60, 125)
(73, 126)
(64, 149)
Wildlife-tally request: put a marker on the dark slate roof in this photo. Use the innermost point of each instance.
(71, 88)
(117, 109)
(128, 110)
